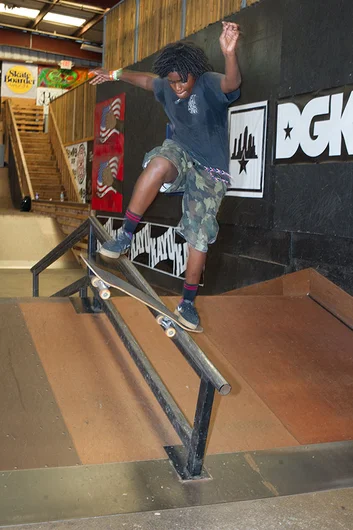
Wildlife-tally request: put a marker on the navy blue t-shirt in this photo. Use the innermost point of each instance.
(200, 122)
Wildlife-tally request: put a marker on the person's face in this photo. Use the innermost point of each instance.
(181, 89)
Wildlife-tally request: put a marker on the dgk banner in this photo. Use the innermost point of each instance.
(18, 80)
(108, 160)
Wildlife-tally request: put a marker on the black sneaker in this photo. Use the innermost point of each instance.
(118, 246)
(187, 314)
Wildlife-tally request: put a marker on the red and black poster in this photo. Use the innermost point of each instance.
(108, 159)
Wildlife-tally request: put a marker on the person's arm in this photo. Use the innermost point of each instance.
(228, 40)
(141, 79)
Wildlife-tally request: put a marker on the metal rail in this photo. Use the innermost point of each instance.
(187, 459)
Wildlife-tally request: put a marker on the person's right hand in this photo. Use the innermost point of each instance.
(99, 76)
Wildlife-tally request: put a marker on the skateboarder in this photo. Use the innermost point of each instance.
(195, 160)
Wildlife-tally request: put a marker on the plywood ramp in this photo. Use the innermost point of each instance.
(296, 356)
(109, 410)
(289, 361)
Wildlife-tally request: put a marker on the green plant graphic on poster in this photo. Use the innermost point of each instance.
(64, 79)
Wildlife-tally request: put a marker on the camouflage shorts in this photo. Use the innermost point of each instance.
(202, 195)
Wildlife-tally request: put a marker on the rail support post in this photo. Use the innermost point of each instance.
(200, 431)
(35, 288)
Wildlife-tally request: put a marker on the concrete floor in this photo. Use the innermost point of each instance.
(331, 510)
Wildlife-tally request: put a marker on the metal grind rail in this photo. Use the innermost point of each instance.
(188, 458)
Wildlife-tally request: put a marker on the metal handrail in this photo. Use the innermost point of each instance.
(57, 252)
(201, 364)
(187, 460)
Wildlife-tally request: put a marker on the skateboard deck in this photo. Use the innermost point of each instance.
(102, 280)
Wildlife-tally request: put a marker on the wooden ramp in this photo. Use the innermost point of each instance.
(67, 377)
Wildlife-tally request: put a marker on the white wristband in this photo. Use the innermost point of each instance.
(116, 74)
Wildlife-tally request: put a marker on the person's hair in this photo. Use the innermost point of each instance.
(184, 58)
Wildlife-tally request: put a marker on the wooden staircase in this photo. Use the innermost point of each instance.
(40, 159)
(29, 118)
(42, 167)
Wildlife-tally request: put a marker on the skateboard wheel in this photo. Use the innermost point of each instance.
(160, 319)
(170, 332)
(104, 294)
(95, 281)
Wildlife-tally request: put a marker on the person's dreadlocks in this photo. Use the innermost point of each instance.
(184, 58)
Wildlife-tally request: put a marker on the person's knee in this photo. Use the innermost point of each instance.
(162, 170)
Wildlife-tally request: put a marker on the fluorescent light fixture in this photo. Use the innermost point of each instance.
(64, 19)
(91, 48)
(19, 11)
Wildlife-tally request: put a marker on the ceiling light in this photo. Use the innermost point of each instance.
(19, 11)
(91, 48)
(64, 19)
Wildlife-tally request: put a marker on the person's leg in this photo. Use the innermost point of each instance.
(186, 310)
(195, 266)
(199, 226)
(158, 171)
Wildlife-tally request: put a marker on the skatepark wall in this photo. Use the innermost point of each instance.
(289, 50)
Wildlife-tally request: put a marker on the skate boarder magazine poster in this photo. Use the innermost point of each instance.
(108, 155)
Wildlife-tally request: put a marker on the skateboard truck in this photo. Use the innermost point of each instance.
(104, 293)
(167, 325)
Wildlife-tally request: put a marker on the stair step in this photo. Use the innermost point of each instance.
(45, 176)
(34, 142)
(45, 186)
(41, 162)
(34, 139)
(35, 148)
(27, 107)
(45, 182)
(47, 195)
(50, 174)
(40, 134)
(45, 165)
(37, 155)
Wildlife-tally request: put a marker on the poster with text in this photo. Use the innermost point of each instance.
(155, 246)
(247, 144)
(47, 95)
(77, 154)
(18, 80)
(108, 155)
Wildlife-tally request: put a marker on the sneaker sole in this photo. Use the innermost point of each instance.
(186, 323)
(111, 254)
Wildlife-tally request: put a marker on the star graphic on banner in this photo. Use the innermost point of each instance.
(243, 163)
(288, 130)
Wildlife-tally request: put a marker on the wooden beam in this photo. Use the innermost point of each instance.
(44, 11)
(92, 22)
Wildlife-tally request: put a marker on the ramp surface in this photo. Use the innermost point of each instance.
(33, 432)
(289, 361)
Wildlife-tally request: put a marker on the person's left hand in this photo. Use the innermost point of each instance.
(229, 37)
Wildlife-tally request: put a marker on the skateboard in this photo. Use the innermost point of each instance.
(103, 280)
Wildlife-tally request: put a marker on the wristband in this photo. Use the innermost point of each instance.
(115, 74)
